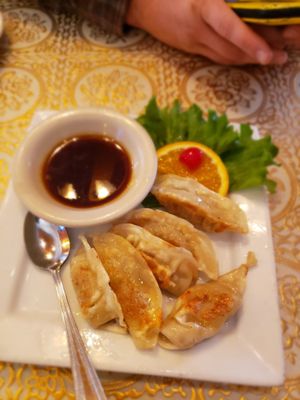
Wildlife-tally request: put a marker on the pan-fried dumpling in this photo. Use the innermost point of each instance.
(206, 209)
(181, 233)
(201, 311)
(174, 267)
(135, 287)
(97, 301)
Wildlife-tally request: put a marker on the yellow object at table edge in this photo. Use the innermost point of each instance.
(264, 6)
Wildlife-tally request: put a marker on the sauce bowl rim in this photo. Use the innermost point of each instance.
(37, 200)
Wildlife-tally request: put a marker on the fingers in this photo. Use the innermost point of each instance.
(228, 25)
(273, 35)
(214, 56)
(228, 59)
(217, 58)
(223, 51)
(291, 35)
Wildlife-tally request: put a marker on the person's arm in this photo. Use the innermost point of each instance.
(109, 15)
(206, 27)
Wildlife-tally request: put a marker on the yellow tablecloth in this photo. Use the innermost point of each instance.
(50, 61)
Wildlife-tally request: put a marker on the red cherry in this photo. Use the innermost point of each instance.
(191, 157)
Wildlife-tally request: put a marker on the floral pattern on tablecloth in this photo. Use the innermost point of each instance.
(59, 61)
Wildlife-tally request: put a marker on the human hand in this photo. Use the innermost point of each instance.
(291, 36)
(206, 27)
(271, 34)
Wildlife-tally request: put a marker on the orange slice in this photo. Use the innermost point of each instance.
(211, 171)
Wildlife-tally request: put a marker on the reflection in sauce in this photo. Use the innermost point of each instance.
(86, 171)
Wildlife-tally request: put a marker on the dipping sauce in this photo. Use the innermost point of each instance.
(87, 171)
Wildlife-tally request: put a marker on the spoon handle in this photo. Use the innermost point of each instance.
(86, 381)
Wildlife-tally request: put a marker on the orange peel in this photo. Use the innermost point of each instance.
(211, 171)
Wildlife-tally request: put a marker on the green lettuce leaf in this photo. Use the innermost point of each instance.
(247, 159)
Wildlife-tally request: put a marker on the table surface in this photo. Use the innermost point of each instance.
(57, 61)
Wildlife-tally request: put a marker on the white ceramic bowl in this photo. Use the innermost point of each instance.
(27, 175)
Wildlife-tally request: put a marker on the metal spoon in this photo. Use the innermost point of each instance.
(48, 246)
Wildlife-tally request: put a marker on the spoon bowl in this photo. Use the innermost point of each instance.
(48, 246)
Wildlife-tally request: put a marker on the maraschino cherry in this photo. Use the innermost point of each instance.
(191, 157)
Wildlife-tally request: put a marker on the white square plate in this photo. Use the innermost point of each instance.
(248, 350)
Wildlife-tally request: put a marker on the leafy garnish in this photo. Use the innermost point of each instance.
(246, 158)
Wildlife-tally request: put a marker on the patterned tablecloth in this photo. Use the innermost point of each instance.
(57, 61)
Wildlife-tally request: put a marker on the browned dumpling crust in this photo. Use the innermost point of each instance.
(181, 233)
(97, 301)
(135, 287)
(202, 310)
(175, 268)
(206, 209)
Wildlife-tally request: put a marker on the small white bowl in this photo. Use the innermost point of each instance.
(27, 171)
